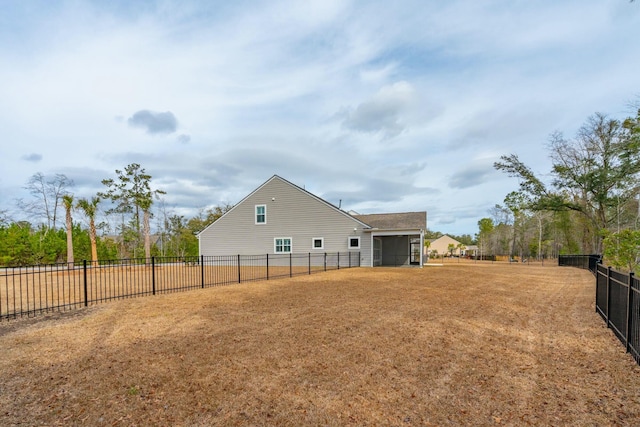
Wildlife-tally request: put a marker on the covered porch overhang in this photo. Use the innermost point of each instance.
(401, 247)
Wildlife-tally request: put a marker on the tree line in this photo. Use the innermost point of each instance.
(590, 205)
(126, 203)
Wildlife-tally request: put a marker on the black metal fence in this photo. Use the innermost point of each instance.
(617, 299)
(38, 289)
(587, 262)
(618, 302)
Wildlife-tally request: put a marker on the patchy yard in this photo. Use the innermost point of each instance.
(463, 344)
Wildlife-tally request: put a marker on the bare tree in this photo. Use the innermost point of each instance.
(67, 200)
(593, 174)
(4, 217)
(46, 197)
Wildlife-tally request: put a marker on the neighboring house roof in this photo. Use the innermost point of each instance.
(444, 238)
(395, 221)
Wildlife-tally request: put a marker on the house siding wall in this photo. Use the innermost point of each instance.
(441, 245)
(291, 212)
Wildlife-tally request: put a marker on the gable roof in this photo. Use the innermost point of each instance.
(445, 237)
(330, 205)
(396, 221)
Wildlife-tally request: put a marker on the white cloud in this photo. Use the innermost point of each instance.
(154, 122)
(383, 112)
(424, 91)
(33, 157)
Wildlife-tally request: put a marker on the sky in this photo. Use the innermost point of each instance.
(375, 106)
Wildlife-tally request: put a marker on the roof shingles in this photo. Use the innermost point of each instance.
(395, 221)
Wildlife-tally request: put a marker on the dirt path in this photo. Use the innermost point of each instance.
(464, 344)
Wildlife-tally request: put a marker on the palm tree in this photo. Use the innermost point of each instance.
(90, 209)
(67, 200)
(460, 247)
(450, 248)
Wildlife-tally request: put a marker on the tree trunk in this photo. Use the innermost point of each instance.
(147, 231)
(69, 224)
(92, 238)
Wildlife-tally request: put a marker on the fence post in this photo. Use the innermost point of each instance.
(86, 297)
(239, 269)
(338, 260)
(629, 311)
(290, 265)
(202, 270)
(267, 266)
(349, 259)
(309, 262)
(608, 294)
(597, 274)
(325, 261)
(153, 275)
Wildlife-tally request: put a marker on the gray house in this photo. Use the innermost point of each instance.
(280, 218)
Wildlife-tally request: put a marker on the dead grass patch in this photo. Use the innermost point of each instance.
(461, 344)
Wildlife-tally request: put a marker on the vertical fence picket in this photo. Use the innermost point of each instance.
(597, 286)
(32, 290)
(608, 296)
(621, 316)
(629, 312)
(84, 271)
(202, 271)
(153, 275)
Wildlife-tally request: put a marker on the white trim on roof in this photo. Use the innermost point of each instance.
(364, 226)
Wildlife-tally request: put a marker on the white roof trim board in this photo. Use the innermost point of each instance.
(332, 206)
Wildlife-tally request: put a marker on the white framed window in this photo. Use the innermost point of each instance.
(261, 214)
(354, 242)
(282, 245)
(317, 243)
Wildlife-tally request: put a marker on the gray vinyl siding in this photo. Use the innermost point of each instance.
(291, 213)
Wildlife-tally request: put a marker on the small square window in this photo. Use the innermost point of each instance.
(354, 242)
(317, 243)
(261, 214)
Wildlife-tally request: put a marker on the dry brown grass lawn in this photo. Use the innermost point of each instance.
(463, 344)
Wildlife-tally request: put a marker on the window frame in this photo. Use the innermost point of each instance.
(256, 214)
(313, 243)
(349, 242)
(275, 245)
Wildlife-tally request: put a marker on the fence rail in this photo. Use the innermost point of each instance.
(617, 299)
(587, 262)
(38, 289)
(618, 302)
